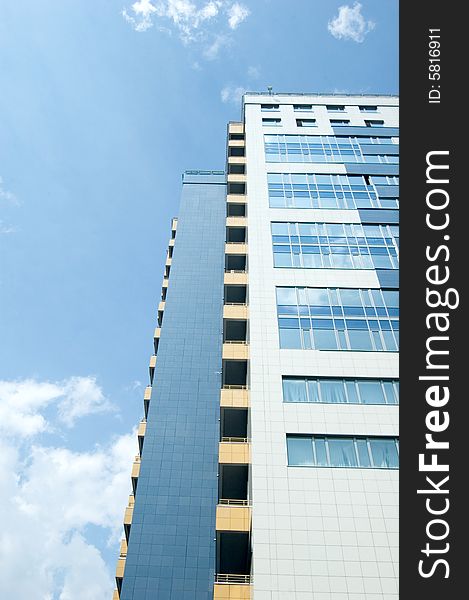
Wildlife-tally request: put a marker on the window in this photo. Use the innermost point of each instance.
(303, 107)
(374, 123)
(270, 107)
(335, 246)
(335, 108)
(309, 190)
(343, 451)
(340, 390)
(323, 148)
(339, 122)
(271, 122)
(236, 169)
(236, 136)
(235, 151)
(338, 319)
(368, 108)
(306, 123)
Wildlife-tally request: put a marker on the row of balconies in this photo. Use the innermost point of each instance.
(233, 512)
(128, 515)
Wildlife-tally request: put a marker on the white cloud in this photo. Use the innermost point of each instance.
(237, 13)
(23, 402)
(232, 94)
(191, 20)
(350, 24)
(213, 49)
(52, 495)
(6, 195)
(253, 72)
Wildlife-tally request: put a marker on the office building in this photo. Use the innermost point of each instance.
(268, 463)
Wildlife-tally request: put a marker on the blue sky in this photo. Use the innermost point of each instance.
(102, 106)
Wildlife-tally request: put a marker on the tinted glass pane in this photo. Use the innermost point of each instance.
(363, 455)
(342, 453)
(290, 338)
(294, 390)
(300, 451)
(332, 391)
(320, 449)
(371, 392)
(384, 453)
(313, 390)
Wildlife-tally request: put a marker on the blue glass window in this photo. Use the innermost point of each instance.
(343, 451)
(302, 190)
(371, 320)
(340, 390)
(323, 148)
(335, 246)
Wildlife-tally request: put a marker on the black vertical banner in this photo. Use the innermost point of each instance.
(434, 320)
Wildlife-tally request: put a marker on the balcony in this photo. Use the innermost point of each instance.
(128, 515)
(116, 596)
(236, 178)
(235, 311)
(234, 396)
(151, 367)
(236, 277)
(236, 221)
(142, 429)
(233, 518)
(135, 473)
(234, 453)
(235, 351)
(232, 591)
(165, 282)
(171, 242)
(236, 248)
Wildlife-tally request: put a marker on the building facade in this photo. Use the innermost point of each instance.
(268, 463)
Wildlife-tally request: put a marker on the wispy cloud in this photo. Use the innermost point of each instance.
(6, 195)
(232, 94)
(190, 20)
(350, 24)
(237, 13)
(253, 72)
(52, 494)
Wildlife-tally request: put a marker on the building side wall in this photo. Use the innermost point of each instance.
(317, 533)
(171, 553)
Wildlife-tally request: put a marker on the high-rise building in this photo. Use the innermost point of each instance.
(268, 463)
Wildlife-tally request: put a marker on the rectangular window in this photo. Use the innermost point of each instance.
(271, 122)
(270, 107)
(335, 107)
(335, 246)
(356, 452)
(368, 108)
(235, 151)
(374, 123)
(309, 190)
(303, 107)
(306, 123)
(340, 390)
(237, 136)
(339, 122)
(326, 148)
(338, 318)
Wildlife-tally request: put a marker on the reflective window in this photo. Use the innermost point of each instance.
(309, 190)
(343, 451)
(323, 149)
(271, 122)
(340, 390)
(338, 319)
(335, 246)
(303, 107)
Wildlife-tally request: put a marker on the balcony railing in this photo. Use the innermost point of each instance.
(233, 502)
(232, 578)
(235, 440)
